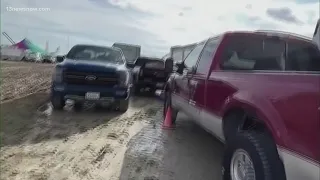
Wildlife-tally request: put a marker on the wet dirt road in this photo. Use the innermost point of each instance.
(100, 144)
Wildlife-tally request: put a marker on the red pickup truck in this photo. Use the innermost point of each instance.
(259, 93)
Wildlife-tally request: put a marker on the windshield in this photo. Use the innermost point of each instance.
(95, 53)
(155, 65)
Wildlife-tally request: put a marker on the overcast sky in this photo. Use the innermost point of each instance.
(154, 24)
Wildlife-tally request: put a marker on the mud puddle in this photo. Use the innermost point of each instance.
(89, 144)
(186, 153)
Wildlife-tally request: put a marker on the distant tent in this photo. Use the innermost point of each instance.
(26, 44)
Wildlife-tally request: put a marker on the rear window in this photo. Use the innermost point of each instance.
(141, 61)
(303, 56)
(155, 65)
(253, 52)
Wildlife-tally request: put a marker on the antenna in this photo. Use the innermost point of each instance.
(47, 46)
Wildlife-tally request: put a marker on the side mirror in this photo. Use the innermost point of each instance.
(168, 65)
(59, 59)
(180, 67)
(130, 65)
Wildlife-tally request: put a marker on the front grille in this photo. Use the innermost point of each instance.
(79, 78)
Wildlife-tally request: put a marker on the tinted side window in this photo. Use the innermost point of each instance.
(207, 56)
(253, 52)
(302, 56)
(192, 58)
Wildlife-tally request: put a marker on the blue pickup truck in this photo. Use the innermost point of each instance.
(91, 73)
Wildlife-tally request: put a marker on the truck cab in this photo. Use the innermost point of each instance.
(151, 73)
(257, 92)
(91, 73)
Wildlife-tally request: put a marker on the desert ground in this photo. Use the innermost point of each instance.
(19, 79)
(38, 143)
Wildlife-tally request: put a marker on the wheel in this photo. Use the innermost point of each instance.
(98, 107)
(58, 102)
(253, 156)
(77, 106)
(167, 103)
(152, 91)
(123, 105)
(136, 90)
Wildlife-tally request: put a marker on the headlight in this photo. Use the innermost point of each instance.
(124, 77)
(58, 74)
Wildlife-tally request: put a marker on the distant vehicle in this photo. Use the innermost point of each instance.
(150, 73)
(259, 93)
(92, 73)
(130, 51)
(33, 57)
(316, 34)
(178, 53)
(48, 59)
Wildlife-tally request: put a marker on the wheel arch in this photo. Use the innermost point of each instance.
(256, 110)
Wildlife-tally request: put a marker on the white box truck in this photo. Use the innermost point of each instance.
(130, 51)
(178, 53)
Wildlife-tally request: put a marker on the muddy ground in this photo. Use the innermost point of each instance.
(19, 79)
(38, 143)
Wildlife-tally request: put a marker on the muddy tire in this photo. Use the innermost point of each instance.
(98, 107)
(123, 105)
(58, 102)
(167, 103)
(258, 148)
(78, 106)
(136, 90)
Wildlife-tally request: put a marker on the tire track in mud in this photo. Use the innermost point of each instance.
(96, 153)
(143, 158)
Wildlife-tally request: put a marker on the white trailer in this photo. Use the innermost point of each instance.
(12, 53)
(130, 51)
(179, 53)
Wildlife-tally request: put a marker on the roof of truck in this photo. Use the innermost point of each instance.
(150, 58)
(273, 33)
(133, 45)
